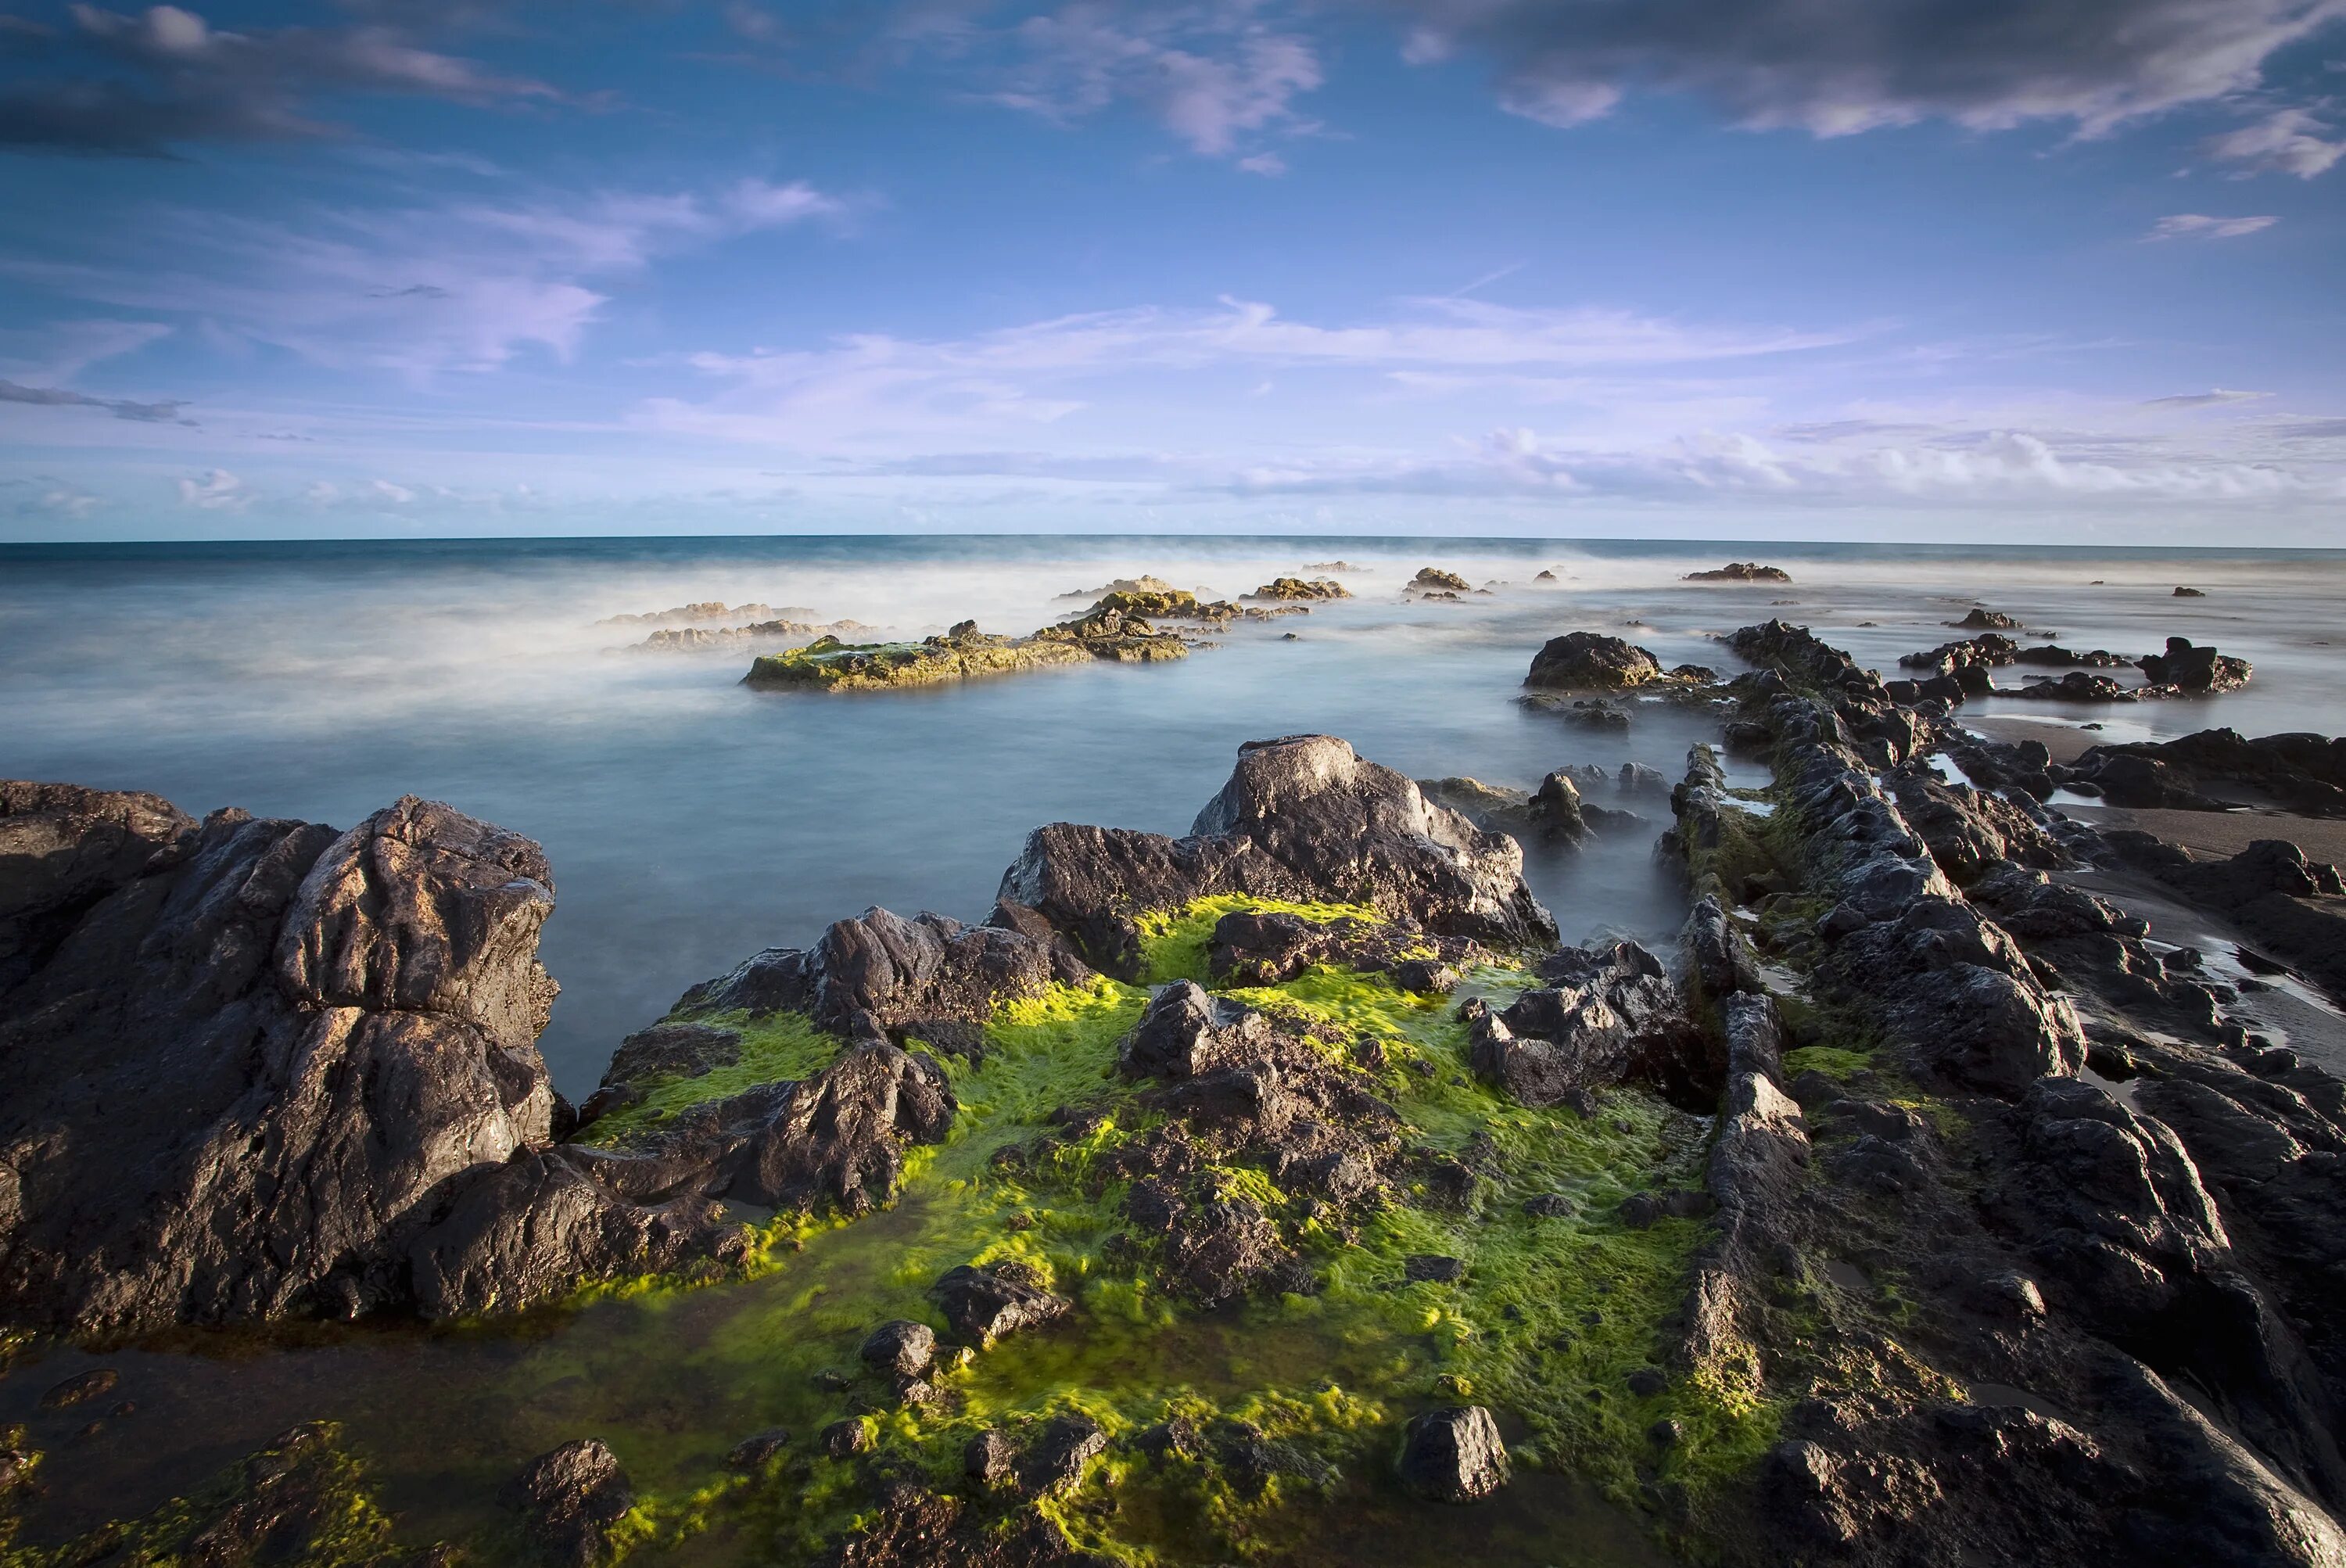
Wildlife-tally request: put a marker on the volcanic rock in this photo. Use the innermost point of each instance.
(1453, 1455)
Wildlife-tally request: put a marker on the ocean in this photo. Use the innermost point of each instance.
(692, 820)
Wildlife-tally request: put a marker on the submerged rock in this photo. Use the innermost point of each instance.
(570, 1497)
(1453, 1455)
(1303, 819)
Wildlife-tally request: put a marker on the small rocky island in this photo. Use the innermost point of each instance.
(1918, 1201)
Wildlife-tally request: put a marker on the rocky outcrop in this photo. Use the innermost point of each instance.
(1980, 618)
(880, 974)
(1287, 588)
(1591, 661)
(2194, 670)
(964, 654)
(237, 1057)
(2293, 906)
(1303, 819)
(1434, 580)
(1740, 572)
(2301, 773)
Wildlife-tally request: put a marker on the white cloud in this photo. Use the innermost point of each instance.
(2286, 141)
(1268, 164)
(419, 292)
(216, 490)
(2199, 226)
(877, 385)
(2215, 397)
(1211, 74)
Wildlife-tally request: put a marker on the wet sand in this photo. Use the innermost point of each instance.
(2066, 742)
(2225, 832)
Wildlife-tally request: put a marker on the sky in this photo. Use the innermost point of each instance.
(1945, 270)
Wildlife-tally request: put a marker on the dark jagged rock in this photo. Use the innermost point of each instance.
(2190, 594)
(2270, 891)
(902, 1346)
(1453, 1455)
(880, 969)
(1970, 832)
(681, 1049)
(570, 1498)
(535, 1226)
(1980, 618)
(2195, 670)
(1591, 661)
(232, 1065)
(2303, 773)
(1553, 811)
(984, 1305)
(1605, 1013)
(1303, 819)
(1054, 1460)
(1741, 572)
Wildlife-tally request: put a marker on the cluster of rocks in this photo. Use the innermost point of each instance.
(1301, 589)
(699, 639)
(1958, 670)
(1563, 808)
(2213, 770)
(704, 611)
(2069, 1252)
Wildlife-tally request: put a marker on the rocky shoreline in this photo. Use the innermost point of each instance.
(1922, 1203)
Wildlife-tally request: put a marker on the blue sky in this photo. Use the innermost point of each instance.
(1823, 268)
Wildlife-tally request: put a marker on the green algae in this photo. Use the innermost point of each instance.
(1832, 1061)
(1553, 1313)
(1173, 942)
(300, 1499)
(774, 1047)
(829, 665)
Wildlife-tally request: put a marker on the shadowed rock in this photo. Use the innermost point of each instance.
(244, 1056)
(569, 1498)
(1591, 661)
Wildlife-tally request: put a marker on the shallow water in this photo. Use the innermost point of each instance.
(691, 821)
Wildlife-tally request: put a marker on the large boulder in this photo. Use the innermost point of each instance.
(234, 1056)
(2193, 668)
(1591, 661)
(1303, 819)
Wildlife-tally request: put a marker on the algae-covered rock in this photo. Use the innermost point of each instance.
(981, 1305)
(1453, 1455)
(1741, 572)
(301, 1498)
(1303, 819)
(964, 654)
(1301, 589)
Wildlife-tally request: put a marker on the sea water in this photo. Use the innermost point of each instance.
(691, 820)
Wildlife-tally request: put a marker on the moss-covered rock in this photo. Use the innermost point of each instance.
(964, 654)
(1301, 589)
